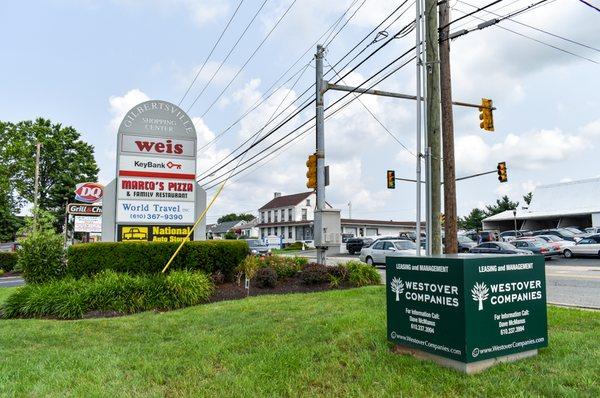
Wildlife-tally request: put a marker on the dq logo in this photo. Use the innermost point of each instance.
(89, 192)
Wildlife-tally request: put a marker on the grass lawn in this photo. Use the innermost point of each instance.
(330, 343)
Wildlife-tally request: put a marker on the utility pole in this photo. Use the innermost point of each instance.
(419, 63)
(350, 210)
(433, 121)
(450, 227)
(320, 152)
(38, 146)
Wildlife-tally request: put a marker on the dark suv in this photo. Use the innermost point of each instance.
(353, 245)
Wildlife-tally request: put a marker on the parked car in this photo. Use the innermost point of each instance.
(258, 247)
(379, 250)
(589, 246)
(411, 235)
(498, 248)
(560, 244)
(575, 230)
(592, 230)
(354, 245)
(483, 236)
(464, 243)
(507, 236)
(562, 233)
(536, 246)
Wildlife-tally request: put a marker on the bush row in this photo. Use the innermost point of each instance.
(108, 291)
(8, 261)
(139, 258)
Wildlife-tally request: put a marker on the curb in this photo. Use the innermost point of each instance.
(580, 307)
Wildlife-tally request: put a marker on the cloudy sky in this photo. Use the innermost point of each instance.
(85, 63)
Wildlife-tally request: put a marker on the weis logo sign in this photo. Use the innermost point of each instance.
(89, 192)
(158, 146)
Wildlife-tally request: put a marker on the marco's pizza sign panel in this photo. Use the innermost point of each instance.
(156, 170)
(467, 308)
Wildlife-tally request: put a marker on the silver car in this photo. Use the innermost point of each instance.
(378, 251)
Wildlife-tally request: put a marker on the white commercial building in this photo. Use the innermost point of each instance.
(566, 204)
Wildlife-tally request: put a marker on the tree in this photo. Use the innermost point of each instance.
(65, 160)
(236, 217)
(472, 221)
(480, 293)
(501, 205)
(527, 198)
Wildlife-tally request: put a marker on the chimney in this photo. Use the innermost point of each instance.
(277, 194)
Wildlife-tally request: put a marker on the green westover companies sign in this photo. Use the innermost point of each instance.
(468, 311)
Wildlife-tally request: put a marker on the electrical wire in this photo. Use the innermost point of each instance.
(470, 14)
(228, 55)
(328, 43)
(590, 5)
(249, 58)
(260, 101)
(211, 52)
(534, 28)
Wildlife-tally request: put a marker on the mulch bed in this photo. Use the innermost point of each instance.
(233, 291)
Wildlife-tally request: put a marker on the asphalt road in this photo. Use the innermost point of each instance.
(569, 282)
(11, 281)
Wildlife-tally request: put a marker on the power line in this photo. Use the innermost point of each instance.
(590, 5)
(469, 14)
(494, 23)
(376, 118)
(211, 52)
(304, 105)
(249, 58)
(327, 43)
(228, 54)
(329, 107)
(264, 99)
(534, 28)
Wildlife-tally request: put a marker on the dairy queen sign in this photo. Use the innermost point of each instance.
(155, 183)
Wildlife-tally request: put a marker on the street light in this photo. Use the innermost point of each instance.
(515, 218)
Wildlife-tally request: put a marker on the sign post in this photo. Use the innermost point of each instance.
(155, 196)
(467, 312)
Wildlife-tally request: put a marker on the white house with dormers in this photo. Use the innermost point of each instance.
(291, 217)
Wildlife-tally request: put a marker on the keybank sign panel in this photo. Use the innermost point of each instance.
(156, 166)
(467, 308)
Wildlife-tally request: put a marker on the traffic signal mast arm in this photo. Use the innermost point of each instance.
(501, 170)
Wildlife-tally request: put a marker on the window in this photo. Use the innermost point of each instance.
(290, 218)
(587, 241)
(275, 213)
(263, 217)
(308, 202)
(378, 245)
(486, 246)
(521, 244)
(269, 216)
(388, 245)
(304, 214)
(282, 215)
(290, 232)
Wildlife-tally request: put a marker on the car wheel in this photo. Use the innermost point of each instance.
(568, 253)
(369, 261)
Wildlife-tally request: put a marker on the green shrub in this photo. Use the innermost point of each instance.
(8, 261)
(150, 257)
(360, 274)
(314, 274)
(41, 256)
(108, 291)
(265, 277)
(248, 267)
(300, 261)
(285, 267)
(294, 246)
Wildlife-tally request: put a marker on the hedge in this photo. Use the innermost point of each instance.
(108, 293)
(150, 257)
(8, 260)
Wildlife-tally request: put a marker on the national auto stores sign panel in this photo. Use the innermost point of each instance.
(156, 166)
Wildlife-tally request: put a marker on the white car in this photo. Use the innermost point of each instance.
(592, 230)
(557, 242)
(378, 251)
(589, 246)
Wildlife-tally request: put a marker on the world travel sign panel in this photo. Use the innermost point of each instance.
(156, 166)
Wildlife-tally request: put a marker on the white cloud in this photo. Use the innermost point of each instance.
(225, 74)
(200, 11)
(120, 105)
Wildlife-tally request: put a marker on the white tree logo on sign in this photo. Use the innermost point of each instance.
(397, 287)
(480, 293)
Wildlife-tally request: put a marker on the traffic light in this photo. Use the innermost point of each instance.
(485, 114)
(391, 179)
(311, 174)
(502, 176)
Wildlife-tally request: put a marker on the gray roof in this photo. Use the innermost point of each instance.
(224, 227)
(562, 199)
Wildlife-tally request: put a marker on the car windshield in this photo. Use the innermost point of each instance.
(573, 230)
(254, 242)
(566, 232)
(464, 239)
(505, 246)
(551, 238)
(405, 245)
